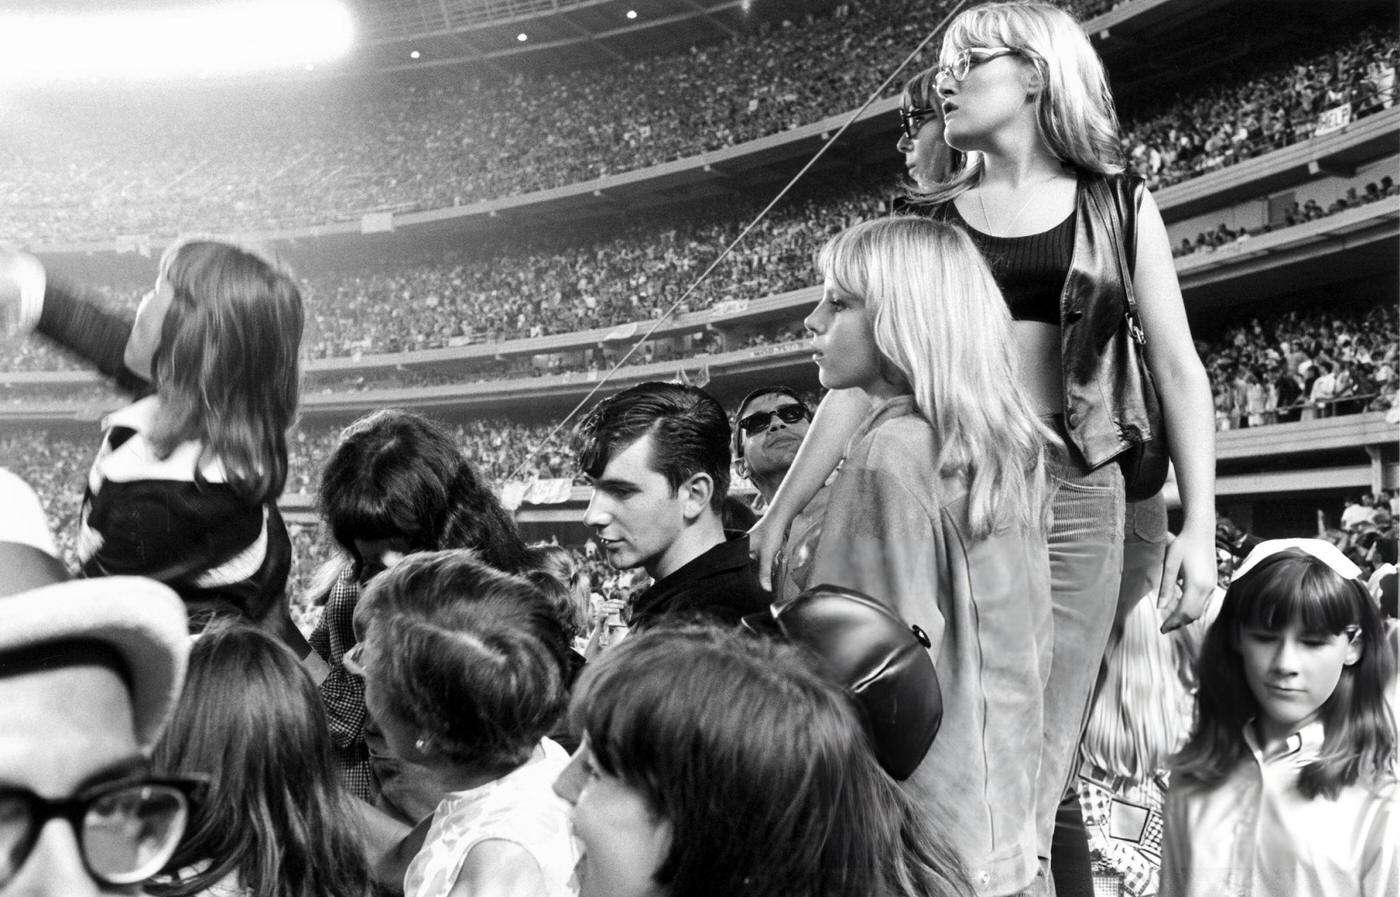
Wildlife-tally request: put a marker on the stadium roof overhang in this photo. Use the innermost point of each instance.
(559, 34)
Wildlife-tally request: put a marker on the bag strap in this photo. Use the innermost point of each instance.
(1121, 197)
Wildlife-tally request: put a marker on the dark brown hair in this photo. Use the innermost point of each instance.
(276, 814)
(227, 371)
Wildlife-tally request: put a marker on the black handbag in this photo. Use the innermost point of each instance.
(1146, 461)
(882, 661)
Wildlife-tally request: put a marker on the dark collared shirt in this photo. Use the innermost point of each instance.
(718, 586)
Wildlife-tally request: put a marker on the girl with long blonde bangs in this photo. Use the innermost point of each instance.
(951, 353)
(1035, 180)
(936, 511)
(1140, 718)
(1074, 112)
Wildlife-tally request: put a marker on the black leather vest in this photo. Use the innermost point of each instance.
(1102, 387)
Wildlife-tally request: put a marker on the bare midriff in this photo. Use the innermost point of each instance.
(1038, 353)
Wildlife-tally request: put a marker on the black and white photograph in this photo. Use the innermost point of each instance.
(699, 448)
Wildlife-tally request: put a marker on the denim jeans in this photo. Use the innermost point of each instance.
(1086, 565)
(1144, 545)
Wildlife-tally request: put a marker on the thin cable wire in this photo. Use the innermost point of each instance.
(690, 290)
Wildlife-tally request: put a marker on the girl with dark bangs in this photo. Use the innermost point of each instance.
(397, 483)
(1287, 784)
(715, 762)
(277, 822)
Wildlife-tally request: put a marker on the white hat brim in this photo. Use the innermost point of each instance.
(143, 620)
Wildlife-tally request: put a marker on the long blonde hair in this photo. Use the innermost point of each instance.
(1075, 116)
(939, 318)
(1141, 714)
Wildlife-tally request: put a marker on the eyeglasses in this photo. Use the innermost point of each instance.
(127, 830)
(911, 120)
(761, 420)
(966, 60)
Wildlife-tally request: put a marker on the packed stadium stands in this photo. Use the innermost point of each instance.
(325, 152)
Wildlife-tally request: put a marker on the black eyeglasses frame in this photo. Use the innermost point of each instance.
(189, 788)
(912, 120)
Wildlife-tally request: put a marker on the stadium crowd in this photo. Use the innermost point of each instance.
(1243, 117)
(1266, 368)
(320, 155)
(1311, 210)
(634, 276)
(949, 593)
(1301, 365)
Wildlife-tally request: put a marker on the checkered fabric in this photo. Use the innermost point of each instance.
(1122, 865)
(342, 693)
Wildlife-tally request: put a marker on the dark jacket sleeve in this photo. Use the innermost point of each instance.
(78, 322)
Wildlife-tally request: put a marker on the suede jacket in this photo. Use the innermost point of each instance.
(896, 528)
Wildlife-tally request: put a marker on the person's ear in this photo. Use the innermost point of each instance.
(741, 467)
(1033, 80)
(695, 494)
(1355, 647)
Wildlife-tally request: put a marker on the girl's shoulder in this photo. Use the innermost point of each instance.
(128, 455)
(895, 435)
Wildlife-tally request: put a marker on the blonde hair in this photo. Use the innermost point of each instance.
(1140, 716)
(939, 318)
(1074, 110)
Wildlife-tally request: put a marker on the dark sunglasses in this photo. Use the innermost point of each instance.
(762, 420)
(911, 120)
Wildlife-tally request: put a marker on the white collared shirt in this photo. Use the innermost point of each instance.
(1256, 835)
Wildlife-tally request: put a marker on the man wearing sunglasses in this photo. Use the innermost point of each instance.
(769, 427)
(89, 670)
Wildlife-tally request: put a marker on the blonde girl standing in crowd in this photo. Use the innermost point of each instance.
(1022, 96)
(184, 489)
(1287, 784)
(1140, 717)
(938, 511)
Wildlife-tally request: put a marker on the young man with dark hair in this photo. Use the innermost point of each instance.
(657, 455)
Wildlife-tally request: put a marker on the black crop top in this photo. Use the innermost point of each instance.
(1030, 270)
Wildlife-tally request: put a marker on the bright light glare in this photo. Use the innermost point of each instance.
(236, 37)
(631, 13)
(522, 36)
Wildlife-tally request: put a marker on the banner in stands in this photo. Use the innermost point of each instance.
(1333, 120)
(729, 307)
(377, 222)
(622, 331)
